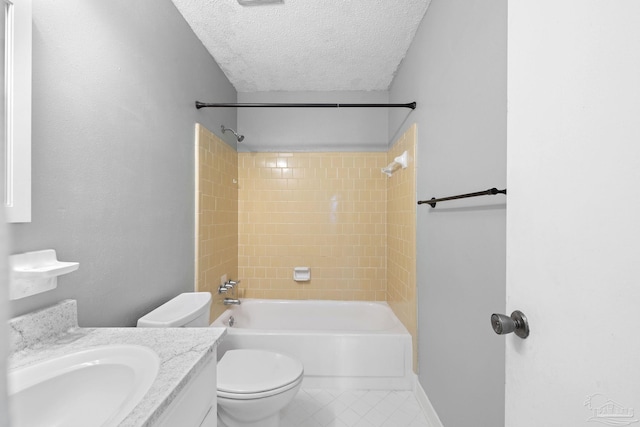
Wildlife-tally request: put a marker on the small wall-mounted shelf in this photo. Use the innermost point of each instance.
(400, 161)
(301, 274)
(36, 272)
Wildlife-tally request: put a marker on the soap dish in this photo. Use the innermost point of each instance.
(301, 274)
(36, 272)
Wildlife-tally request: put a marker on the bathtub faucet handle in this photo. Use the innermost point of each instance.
(231, 284)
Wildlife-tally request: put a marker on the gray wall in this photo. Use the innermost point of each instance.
(114, 83)
(313, 129)
(456, 70)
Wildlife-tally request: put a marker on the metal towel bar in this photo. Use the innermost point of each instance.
(489, 192)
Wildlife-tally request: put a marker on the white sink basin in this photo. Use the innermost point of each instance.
(94, 387)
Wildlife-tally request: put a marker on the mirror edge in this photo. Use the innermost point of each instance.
(17, 141)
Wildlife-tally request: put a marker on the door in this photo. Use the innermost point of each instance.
(573, 217)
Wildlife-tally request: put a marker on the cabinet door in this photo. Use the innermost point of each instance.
(196, 403)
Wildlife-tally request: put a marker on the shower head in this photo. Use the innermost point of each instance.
(239, 138)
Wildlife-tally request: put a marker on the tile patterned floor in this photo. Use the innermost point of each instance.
(353, 408)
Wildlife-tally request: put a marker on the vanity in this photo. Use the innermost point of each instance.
(168, 374)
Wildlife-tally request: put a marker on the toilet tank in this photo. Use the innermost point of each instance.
(189, 310)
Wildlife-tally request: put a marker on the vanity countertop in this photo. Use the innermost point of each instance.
(54, 332)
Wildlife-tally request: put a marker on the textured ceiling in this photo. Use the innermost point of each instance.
(306, 45)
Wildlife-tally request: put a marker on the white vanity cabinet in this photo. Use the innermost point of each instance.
(195, 406)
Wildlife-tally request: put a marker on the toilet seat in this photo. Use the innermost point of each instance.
(254, 374)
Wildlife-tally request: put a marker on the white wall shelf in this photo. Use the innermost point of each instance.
(402, 161)
(36, 272)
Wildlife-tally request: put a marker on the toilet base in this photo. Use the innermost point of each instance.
(225, 421)
(261, 412)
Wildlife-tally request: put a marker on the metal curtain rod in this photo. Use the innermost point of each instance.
(489, 192)
(411, 105)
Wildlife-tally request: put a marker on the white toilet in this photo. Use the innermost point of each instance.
(253, 385)
(254, 397)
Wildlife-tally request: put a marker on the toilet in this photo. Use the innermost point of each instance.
(254, 397)
(253, 385)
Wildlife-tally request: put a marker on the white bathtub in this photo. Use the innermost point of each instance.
(348, 344)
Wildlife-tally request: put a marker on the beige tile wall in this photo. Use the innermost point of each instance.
(326, 211)
(334, 212)
(216, 214)
(401, 237)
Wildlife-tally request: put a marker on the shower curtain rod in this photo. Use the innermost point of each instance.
(489, 192)
(411, 105)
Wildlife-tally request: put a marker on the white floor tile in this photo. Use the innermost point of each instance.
(353, 408)
(337, 407)
(324, 416)
(375, 417)
(419, 421)
(373, 397)
(349, 417)
(361, 407)
(363, 423)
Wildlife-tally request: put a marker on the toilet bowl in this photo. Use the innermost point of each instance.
(253, 385)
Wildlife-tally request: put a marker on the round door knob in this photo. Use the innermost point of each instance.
(517, 323)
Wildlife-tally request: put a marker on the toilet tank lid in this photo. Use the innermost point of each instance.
(178, 311)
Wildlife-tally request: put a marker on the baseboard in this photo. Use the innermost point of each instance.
(427, 408)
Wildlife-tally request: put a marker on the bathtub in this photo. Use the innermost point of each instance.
(345, 345)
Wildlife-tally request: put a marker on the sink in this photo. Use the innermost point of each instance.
(98, 386)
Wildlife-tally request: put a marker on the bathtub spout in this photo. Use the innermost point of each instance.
(231, 301)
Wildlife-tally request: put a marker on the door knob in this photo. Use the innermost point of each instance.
(517, 323)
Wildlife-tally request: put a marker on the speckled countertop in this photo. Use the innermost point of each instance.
(54, 332)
